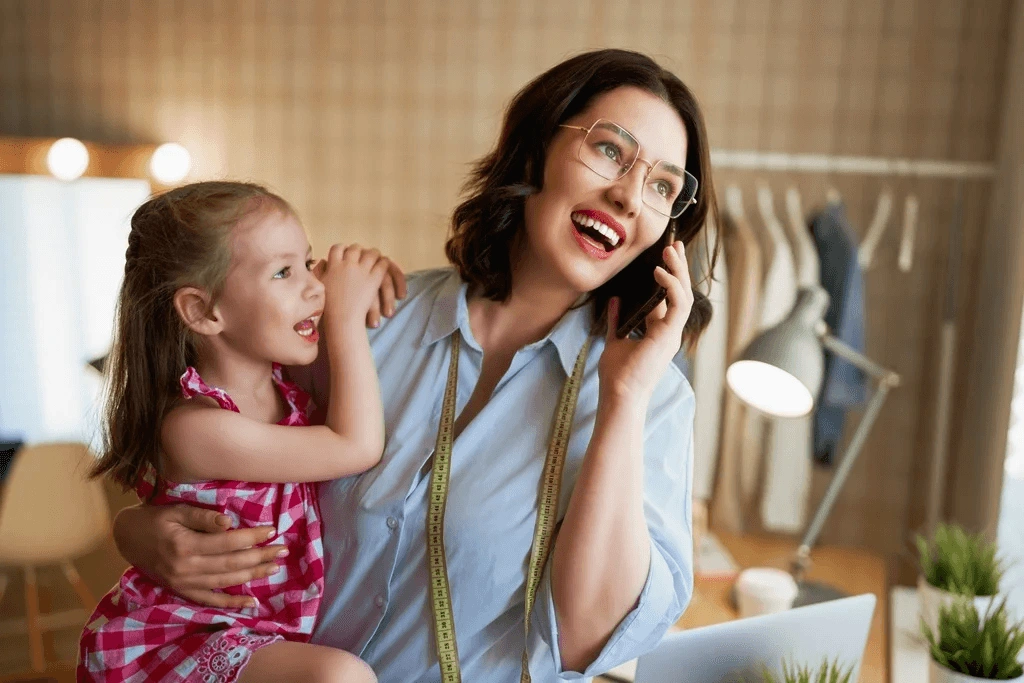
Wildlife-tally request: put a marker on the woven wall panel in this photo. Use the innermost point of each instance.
(366, 116)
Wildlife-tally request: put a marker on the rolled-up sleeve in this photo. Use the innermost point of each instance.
(668, 482)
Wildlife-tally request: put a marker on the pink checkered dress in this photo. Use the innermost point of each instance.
(142, 631)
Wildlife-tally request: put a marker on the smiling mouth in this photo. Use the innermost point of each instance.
(595, 231)
(307, 328)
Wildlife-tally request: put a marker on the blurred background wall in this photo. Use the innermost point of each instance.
(367, 116)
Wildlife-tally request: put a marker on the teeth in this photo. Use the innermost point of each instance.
(611, 235)
(307, 327)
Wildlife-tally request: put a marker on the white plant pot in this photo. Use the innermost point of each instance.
(932, 598)
(940, 674)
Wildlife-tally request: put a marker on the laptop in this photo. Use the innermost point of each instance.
(737, 650)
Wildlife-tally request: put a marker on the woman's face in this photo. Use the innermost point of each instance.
(560, 241)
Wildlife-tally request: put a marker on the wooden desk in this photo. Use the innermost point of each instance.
(851, 571)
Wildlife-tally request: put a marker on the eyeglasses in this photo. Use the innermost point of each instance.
(609, 150)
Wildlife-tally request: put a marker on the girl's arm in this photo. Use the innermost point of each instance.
(201, 442)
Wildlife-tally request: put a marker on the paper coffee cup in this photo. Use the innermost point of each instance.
(764, 590)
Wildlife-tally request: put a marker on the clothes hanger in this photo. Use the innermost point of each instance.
(910, 213)
(804, 251)
(866, 251)
(766, 205)
(734, 202)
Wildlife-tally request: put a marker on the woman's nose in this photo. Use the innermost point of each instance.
(625, 193)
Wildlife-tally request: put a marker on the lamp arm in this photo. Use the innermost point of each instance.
(887, 380)
(858, 359)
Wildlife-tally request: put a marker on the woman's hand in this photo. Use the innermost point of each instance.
(191, 551)
(631, 368)
(349, 270)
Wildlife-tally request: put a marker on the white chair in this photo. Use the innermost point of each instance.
(50, 514)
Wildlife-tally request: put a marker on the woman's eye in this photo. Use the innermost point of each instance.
(609, 150)
(283, 273)
(663, 188)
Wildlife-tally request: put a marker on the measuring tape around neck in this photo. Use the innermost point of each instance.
(547, 512)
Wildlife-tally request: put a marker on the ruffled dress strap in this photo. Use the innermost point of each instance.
(299, 402)
(193, 385)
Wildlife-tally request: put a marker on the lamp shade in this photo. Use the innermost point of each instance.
(780, 372)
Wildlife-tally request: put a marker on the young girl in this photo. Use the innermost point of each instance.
(219, 292)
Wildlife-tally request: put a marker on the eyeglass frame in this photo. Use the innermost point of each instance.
(650, 166)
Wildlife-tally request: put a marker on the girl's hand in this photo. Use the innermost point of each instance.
(352, 277)
(392, 284)
(191, 551)
(631, 368)
(392, 287)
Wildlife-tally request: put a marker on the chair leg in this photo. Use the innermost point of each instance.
(84, 594)
(35, 634)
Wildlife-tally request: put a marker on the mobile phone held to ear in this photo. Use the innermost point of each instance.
(639, 293)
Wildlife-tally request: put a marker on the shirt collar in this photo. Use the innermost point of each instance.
(450, 312)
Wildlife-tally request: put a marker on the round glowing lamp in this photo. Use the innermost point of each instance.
(67, 159)
(170, 163)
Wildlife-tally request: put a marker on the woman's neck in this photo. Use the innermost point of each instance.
(533, 308)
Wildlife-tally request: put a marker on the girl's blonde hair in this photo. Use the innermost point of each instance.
(180, 238)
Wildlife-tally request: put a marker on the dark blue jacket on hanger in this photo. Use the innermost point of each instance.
(844, 385)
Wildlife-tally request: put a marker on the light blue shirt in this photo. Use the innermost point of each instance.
(376, 602)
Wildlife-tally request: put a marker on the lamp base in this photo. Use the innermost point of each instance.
(813, 592)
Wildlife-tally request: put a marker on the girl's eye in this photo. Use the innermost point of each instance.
(283, 273)
(309, 264)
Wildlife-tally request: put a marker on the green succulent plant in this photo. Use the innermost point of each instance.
(985, 647)
(960, 563)
(826, 672)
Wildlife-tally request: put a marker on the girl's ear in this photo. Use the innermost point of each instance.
(193, 305)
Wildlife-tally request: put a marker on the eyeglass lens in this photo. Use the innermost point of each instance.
(610, 151)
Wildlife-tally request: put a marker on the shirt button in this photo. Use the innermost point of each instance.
(379, 601)
(392, 523)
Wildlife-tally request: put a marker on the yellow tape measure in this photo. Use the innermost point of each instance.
(547, 512)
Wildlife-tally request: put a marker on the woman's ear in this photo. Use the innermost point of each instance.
(193, 305)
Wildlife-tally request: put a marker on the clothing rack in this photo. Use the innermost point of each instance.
(823, 163)
(893, 167)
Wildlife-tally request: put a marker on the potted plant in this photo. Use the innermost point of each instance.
(953, 564)
(967, 648)
(826, 672)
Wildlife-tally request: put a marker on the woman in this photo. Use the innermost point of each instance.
(579, 185)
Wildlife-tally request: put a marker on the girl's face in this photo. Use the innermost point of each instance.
(558, 241)
(271, 302)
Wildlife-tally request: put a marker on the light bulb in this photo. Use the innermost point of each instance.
(67, 159)
(170, 163)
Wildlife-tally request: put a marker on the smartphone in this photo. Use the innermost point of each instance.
(638, 291)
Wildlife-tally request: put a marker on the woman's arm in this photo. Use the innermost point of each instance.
(606, 517)
(189, 550)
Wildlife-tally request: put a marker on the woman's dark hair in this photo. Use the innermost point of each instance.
(486, 225)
